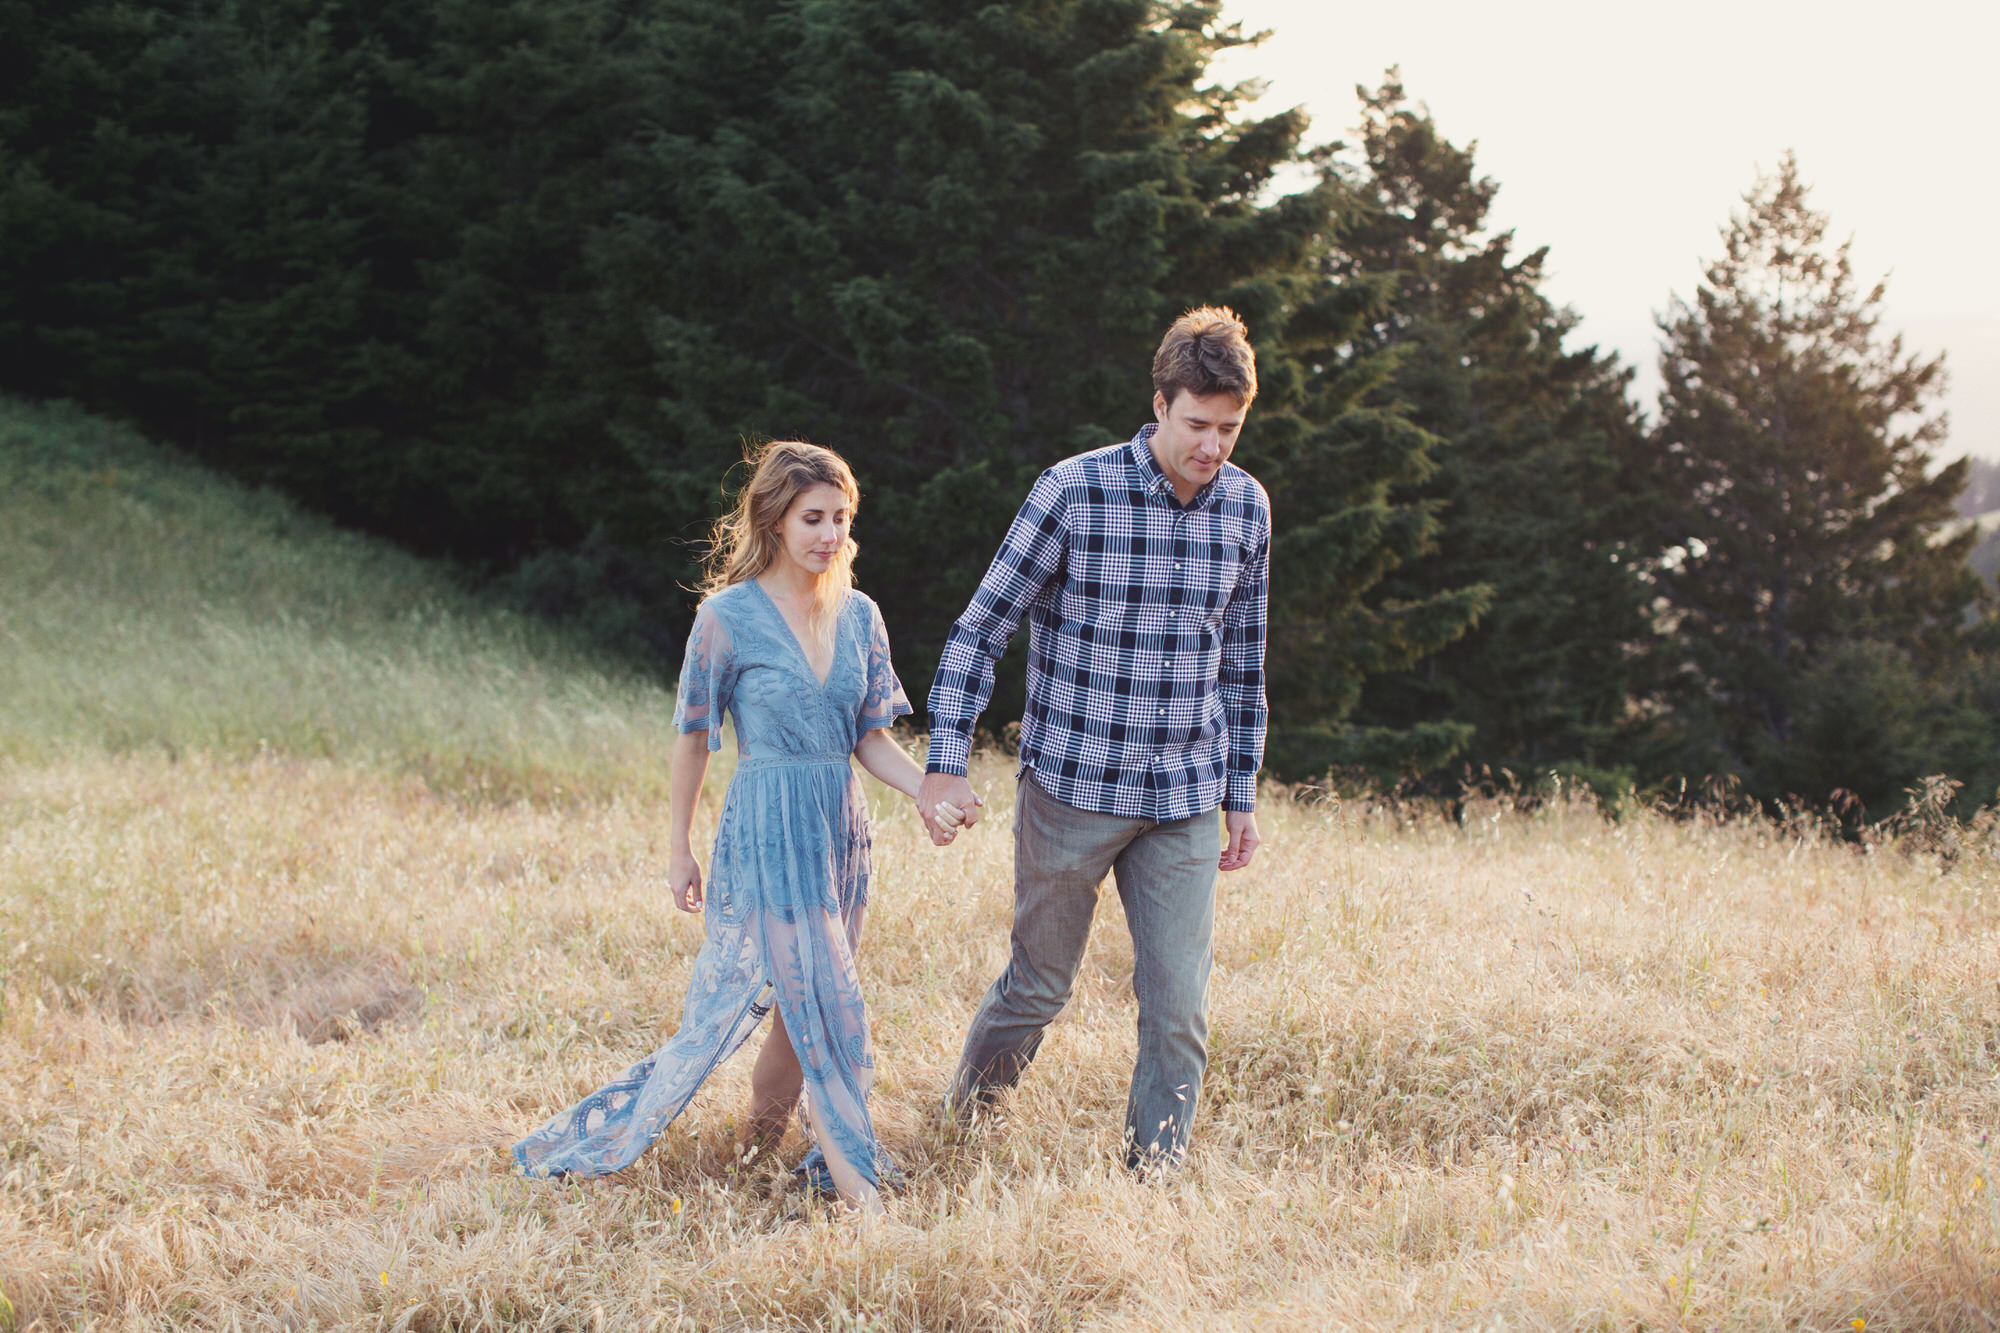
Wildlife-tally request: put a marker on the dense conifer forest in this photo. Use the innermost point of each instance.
(512, 283)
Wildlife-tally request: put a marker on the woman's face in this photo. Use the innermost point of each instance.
(815, 528)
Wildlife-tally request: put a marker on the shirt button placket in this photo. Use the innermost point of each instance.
(1156, 767)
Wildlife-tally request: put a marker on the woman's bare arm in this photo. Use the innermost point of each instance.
(684, 775)
(880, 755)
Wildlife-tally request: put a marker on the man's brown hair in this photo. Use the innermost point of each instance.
(1206, 351)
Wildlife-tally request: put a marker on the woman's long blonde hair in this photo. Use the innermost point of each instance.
(745, 540)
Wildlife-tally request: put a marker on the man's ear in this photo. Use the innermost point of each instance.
(1159, 406)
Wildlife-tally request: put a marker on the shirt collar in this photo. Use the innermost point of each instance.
(1154, 479)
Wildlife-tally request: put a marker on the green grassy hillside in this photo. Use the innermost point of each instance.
(147, 604)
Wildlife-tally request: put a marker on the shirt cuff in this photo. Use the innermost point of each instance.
(951, 752)
(1241, 794)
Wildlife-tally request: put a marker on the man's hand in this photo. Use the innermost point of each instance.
(1241, 825)
(684, 878)
(947, 789)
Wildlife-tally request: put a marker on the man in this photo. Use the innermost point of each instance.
(1142, 570)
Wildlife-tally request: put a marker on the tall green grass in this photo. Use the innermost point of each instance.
(148, 604)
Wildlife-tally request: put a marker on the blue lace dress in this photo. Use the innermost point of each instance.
(785, 886)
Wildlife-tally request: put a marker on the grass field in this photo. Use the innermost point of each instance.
(150, 607)
(281, 967)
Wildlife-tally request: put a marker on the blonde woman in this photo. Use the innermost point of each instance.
(786, 647)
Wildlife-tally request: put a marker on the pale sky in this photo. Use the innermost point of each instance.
(1622, 136)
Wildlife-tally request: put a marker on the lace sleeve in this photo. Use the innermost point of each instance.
(884, 700)
(708, 675)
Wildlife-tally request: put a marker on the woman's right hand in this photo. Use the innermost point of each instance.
(684, 878)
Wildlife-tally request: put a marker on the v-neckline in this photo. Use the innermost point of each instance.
(798, 645)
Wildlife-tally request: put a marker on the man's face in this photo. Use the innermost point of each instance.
(1195, 436)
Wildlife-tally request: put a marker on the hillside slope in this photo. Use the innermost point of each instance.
(151, 604)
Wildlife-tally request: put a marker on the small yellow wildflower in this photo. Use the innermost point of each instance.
(1859, 1324)
(677, 1203)
(385, 1279)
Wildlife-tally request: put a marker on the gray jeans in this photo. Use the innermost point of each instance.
(1166, 881)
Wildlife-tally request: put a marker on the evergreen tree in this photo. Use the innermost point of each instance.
(1533, 478)
(1814, 590)
(944, 238)
(514, 280)
(508, 132)
(178, 235)
(330, 243)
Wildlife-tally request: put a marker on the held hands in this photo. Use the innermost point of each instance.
(684, 878)
(947, 803)
(1241, 825)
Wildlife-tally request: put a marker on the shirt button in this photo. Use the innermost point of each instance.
(1163, 712)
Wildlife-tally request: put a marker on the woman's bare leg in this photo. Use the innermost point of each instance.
(775, 1082)
(776, 1087)
(854, 1190)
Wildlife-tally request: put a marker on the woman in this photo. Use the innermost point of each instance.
(800, 661)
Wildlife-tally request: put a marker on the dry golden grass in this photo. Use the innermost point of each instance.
(266, 1020)
(320, 881)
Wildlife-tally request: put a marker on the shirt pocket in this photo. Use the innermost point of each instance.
(1217, 585)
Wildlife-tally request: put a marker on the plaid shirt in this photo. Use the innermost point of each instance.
(1145, 638)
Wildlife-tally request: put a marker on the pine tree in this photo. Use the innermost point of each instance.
(944, 238)
(515, 280)
(328, 243)
(181, 240)
(1533, 480)
(1813, 588)
(508, 133)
